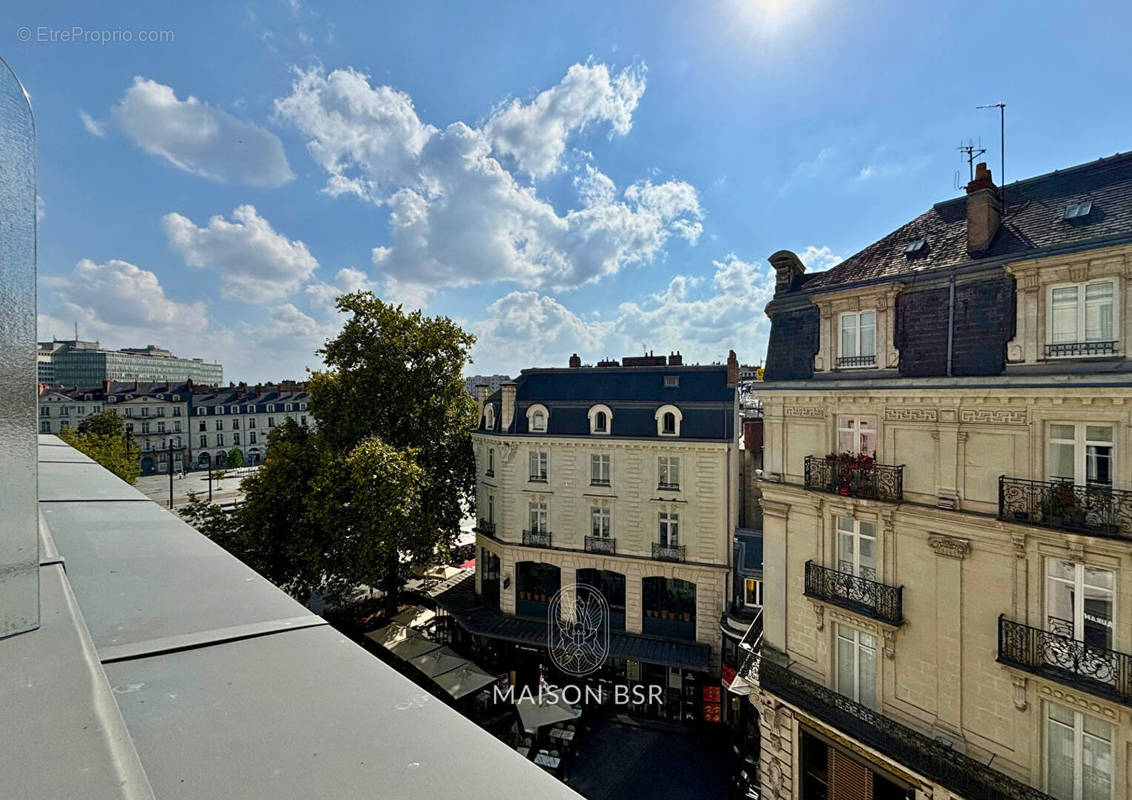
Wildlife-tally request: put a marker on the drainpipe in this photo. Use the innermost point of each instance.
(950, 320)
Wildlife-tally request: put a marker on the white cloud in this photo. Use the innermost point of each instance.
(196, 137)
(457, 215)
(535, 133)
(256, 264)
(818, 259)
(323, 295)
(93, 126)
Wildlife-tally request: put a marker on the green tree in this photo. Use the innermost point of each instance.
(106, 423)
(116, 451)
(235, 458)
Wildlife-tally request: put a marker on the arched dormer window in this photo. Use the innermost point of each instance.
(537, 418)
(668, 419)
(489, 417)
(601, 420)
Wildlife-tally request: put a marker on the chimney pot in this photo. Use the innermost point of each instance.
(732, 369)
(984, 210)
(575, 361)
(506, 406)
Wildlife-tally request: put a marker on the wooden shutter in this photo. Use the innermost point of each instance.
(848, 779)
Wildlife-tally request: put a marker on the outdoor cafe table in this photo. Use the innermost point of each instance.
(563, 734)
(550, 762)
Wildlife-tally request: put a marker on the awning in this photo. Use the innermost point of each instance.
(415, 617)
(438, 662)
(389, 635)
(464, 681)
(535, 715)
(414, 646)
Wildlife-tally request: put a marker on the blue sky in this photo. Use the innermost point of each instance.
(582, 177)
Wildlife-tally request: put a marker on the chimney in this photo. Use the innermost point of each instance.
(507, 405)
(575, 361)
(984, 210)
(481, 400)
(787, 267)
(675, 359)
(732, 369)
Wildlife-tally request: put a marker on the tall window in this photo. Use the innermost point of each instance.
(203, 441)
(857, 547)
(235, 424)
(857, 665)
(859, 339)
(668, 468)
(538, 465)
(538, 422)
(251, 438)
(491, 508)
(1080, 602)
(599, 469)
(271, 422)
(669, 425)
(669, 529)
(601, 422)
(753, 592)
(857, 435)
(219, 424)
(1082, 313)
(601, 524)
(161, 427)
(251, 422)
(45, 427)
(219, 440)
(203, 426)
(491, 461)
(1079, 762)
(540, 516)
(235, 438)
(1080, 453)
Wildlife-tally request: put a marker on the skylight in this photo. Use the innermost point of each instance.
(914, 246)
(1078, 210)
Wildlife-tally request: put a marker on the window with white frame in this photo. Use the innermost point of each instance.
(668, 470)
(1081, 319)
(857, 548)
(1080, 602)
(539, 516)
(858, 346)
(601, 524)
(489, 417)
(668, 419)
(600, 468)
(538, 464)
(669, 528)
(1078, 755)
(537, 416)
(601, 420)
(857, 435)
(203, 441)
(1080, 452)
(753, 592)
(857, 665)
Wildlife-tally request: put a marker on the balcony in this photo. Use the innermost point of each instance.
(1080, 349)
(486, 528)
(1066, 660)
(538, 478)
(536, 538)
(856, 361)
(932, 758)
(667, 552)
(601, 544)
(855, 476)
(863, 596)
(1094, 509)
(667, 487)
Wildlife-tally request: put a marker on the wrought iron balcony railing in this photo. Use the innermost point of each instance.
(932, 758)
(601, 544)
(1094, 508)
(1080, 349)
(668, 487)
(486, 528)
(536, 538)
(667, 552)
(855, 477)
(749, 648)
(870, 598)
(599, 481)
(1066, 660)
(856, 361)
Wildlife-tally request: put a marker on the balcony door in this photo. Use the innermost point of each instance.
(1080, 453)
(1080, 602)
(857, 548)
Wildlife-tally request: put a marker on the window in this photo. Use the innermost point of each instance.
(1080, 453)
(251, 438)
(251, 422)
(540, 516)
(537, 417)
(858, 340)
(64, 411)
(203, 441)
(601, 422)
(856, 666)
(161, 427)
(177, 426)
(145, 411)
(235, 424)
(489, 417)
(668, 469)
(235, 438)
(45, 411)
(669, 529)
(271, 422)
(80, 410)
(176, 410)
(599, 469)
(857, 548)
(753, 592)
(145, 427)
(491, 461)
(538, 465)
(600, 522)
(491, 508)
(201, 412)
(857, 435)
(671, 381)
(161, 412)
(203, 426)
(668, 419)
(1078, 210)
(1080, 603)
(219, 440)
(1079, 762)
(219, 424)
(669, 424)
(129, 412)
(303, 420)
(45, 426)
(1082, 319)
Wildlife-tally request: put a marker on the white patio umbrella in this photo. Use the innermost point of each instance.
(389, 635)
(414, 617)
(437, 662)
(535, 715)
(412, 647)
(463, 681)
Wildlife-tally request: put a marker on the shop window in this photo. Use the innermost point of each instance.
(535, 586)
(669, 608)
(611, 586)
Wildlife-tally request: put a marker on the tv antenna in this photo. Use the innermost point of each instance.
(1002, 146)
(970, 152)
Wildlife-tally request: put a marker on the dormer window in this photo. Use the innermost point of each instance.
(601, 424)
(538, 421)
(671, 381)
(537, 417)
(668, 419)
(601, 420)
(858, 344)
(489, 417)
(669, 424)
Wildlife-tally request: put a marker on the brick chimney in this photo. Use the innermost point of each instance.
(675, 359)
(984, 210)
(575, 361)
(507, 405)
(732, 369)
(481, 400)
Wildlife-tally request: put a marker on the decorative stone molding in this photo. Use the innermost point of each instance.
(993, 416)
(1081, 701)
(889, 643)
(949, 546)
(810, 412)
(1019, 684)
(819, 616)
(773, 776)
(1018, 540)
(910, 414)
(1076, 551)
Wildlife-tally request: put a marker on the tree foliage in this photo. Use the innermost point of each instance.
(103, 437)
(235, 458)
(381, 484)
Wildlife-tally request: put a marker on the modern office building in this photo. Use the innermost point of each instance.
(82, 363)
(622, 477)
(947, 512)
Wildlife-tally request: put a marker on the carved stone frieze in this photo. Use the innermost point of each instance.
(949, 546)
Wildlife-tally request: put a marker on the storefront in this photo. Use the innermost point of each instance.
(611, 585)
(669, 608)
(832, 772)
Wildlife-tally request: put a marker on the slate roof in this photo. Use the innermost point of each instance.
(1033, 222)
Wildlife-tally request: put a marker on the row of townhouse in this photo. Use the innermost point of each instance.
(197, 426)
(947, 503)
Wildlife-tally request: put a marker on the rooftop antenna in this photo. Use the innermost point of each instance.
(971, 151)
(1001, 148)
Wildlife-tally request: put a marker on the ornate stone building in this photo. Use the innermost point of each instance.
(947, 514)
